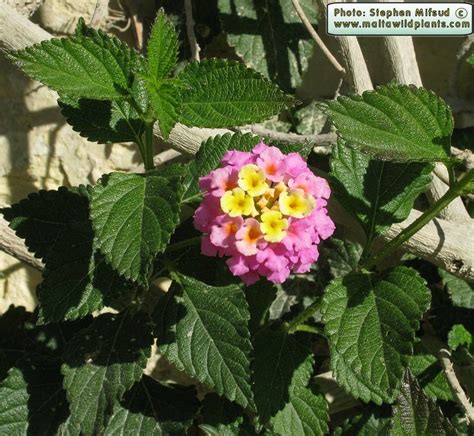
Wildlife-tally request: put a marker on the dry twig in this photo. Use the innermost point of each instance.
(195, 49)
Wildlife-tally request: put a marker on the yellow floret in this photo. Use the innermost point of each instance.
(237, 203)
(295, 203)
(273, 226)
(252, 180)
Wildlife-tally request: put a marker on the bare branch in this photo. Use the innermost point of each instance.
(316, 37)
(195, 49)
(100, 14)
(458, 392)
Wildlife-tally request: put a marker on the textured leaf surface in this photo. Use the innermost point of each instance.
(105, 122)
(378, 193)
(56, 227)
(164, 100)
(150, 408)
(102, 362)
(281, 365)
(220, 417)
(458, 336)
(311, 119)
(369, 423)
(162, 48)
(270, 37)
(305, 414)
(426, 368)
(371, 323)
(98, 67)
(461, 292)
(203, 331)
(342, 256)
(225, 93)
(415, 414)
(395, 122)
(133, 216)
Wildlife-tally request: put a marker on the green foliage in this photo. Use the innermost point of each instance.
(458, 337)
(270, 37)
(162, 48)
(99, 67)
(224, 94)
(220, 417)
(133, 216)
(102, 362)
(153, 408)
(370, 422)
(395, 122)
(194, 316)
(342, 256)
(377, 193)
(370, 323)
(461, 292)
(415, 413)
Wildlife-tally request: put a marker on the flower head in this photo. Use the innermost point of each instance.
(266, 210)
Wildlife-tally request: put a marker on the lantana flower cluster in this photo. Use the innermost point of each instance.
(266, 210)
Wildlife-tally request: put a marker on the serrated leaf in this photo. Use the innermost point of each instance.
(165, 103)
(458, 336)
(225, 94)
(105, 122)
(415, 414)
(371, 323)
(426, 368)
(56, 227)
(220, 417)
(102, 362)
(395, 122)
(342, 256)
(152, 408)
(32, 401)
(99, 67)
(134, 216)
(461, 292)
(203, 331)
(377, 193)
(370, 422)
(281, 364)
(305, 414)
(270, 37)
(162, 48)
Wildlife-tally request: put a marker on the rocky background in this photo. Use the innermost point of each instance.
(38, 150)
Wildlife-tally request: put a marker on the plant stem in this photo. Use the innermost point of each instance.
(308, 329)
(295, 323)
(148, 152)
(454, 191)
(183, 244)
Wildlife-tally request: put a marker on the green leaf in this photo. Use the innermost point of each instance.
(259, 298)
(224, 93)
(305, 414)
(458, 337)
(220, 417)
(426, 368)
(99, 67)
(370, 422)
(105, 122)
(56, 227)
(281, 364)
(162, 48)
(134, 216)
(102, 362)
(32, 401)
(371, 323)
(377, 193)
(342, 256)
(153, 408)
(415, 414)
(311, 119)
(461, 292)
(270, 37)
(395, 122)
(470, 59)
(164, 100)
(203, 331)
